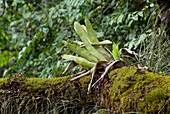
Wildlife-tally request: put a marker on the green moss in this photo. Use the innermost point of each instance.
(85, 80)
(130, 90)
(133, 89)
(32, 93)
(2, 80)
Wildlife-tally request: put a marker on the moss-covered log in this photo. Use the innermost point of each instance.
(128, 90)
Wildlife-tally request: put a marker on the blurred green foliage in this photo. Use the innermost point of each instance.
(31, 32)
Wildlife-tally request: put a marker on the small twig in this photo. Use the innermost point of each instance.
(84, 74)
(93, 70)
(105, 72)
(79, 73)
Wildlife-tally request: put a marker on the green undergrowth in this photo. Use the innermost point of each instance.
(129, 90)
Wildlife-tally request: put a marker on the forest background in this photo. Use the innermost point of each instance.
(32, 33)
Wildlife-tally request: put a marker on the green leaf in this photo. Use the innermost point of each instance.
(120, 19)
(90, 31)
(84, 37)
(140, 13)
(79, 60)
(115, 52)
(95, 42)
(5, 58)
(83, 52)
(135, 17)
(140, 40)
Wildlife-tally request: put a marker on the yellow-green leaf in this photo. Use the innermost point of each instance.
(83, 52)
(90, 31)
(79, 60)
(115, 52)
(84, 37)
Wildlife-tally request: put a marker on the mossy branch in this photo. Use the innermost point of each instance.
(128, 89)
